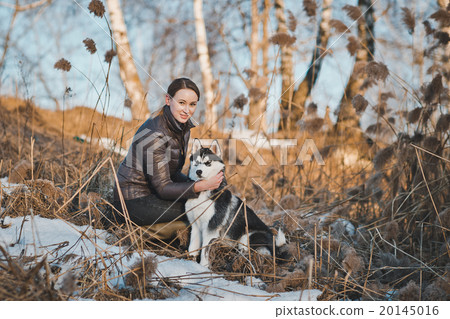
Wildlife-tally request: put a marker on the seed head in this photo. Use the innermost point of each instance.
(428, 29)
(408, 19)
(90, 45)
(442, 16)
(128, 103)
(314, 125)
(443, 37)
(339, 26)
(377, 70)
(109, 55)
(312, 108)
(240, 102)
(282, 39)
(292, 21)
(250, 73)
(310, 7)
(443, 124)
(255, 94)
(374, 128)
(359, 103)
(414, 115)
(97, 7)
(382, 158)
(434, 89)
(386, 96)
(354, 13)
(63, 65)
(352, 45)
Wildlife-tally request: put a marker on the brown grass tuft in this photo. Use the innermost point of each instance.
(354, 13)
(63, 65)
(408, 19)
(443, 124)
(414, 115)
(97, 7)
(282, 39)
(310, 7)
(276, 287)
(90, 45)
(240, 101)
(410, 292)
(391, 230)
(359, 103)
(292, 21)
(109, 55)
(20, 172)
(290, 201)
(434, 293)
(377, 70)
(352, 261)
(352, 45)
(382, 158)
(339, 26)
(141, 272)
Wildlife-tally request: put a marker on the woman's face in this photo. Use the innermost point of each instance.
(183, 104)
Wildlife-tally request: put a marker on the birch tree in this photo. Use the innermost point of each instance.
(286, 69)
(128, 71)
(347, 116)
(205, 66)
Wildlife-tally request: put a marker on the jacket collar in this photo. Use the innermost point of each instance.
(173, 124)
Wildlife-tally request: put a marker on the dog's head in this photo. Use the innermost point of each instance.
(205, 161)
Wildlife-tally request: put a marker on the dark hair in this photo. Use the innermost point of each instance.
(182, 83)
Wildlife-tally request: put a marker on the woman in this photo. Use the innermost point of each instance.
(150, 179)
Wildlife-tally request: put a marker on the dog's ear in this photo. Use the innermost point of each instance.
(196, 145)
(215, 148)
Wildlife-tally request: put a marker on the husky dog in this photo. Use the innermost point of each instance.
(219, 213)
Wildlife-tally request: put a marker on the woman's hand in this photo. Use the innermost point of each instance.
(208, 184)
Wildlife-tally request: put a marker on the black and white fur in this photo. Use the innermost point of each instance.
(211, 214)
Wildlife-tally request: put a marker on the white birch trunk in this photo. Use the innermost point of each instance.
(128, 71)
(256, 117)
(286, 70)
(205, 66)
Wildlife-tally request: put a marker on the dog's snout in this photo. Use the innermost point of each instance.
(199, 172)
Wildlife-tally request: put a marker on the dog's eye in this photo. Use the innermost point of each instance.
(208, 163)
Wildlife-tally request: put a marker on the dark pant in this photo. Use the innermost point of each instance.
(150, 210)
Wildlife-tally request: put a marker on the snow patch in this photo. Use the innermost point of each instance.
(55, 238)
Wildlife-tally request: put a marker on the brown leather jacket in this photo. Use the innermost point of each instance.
(155, 159)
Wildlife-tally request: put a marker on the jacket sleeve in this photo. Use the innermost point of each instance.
(156, 169)
(180, 177)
